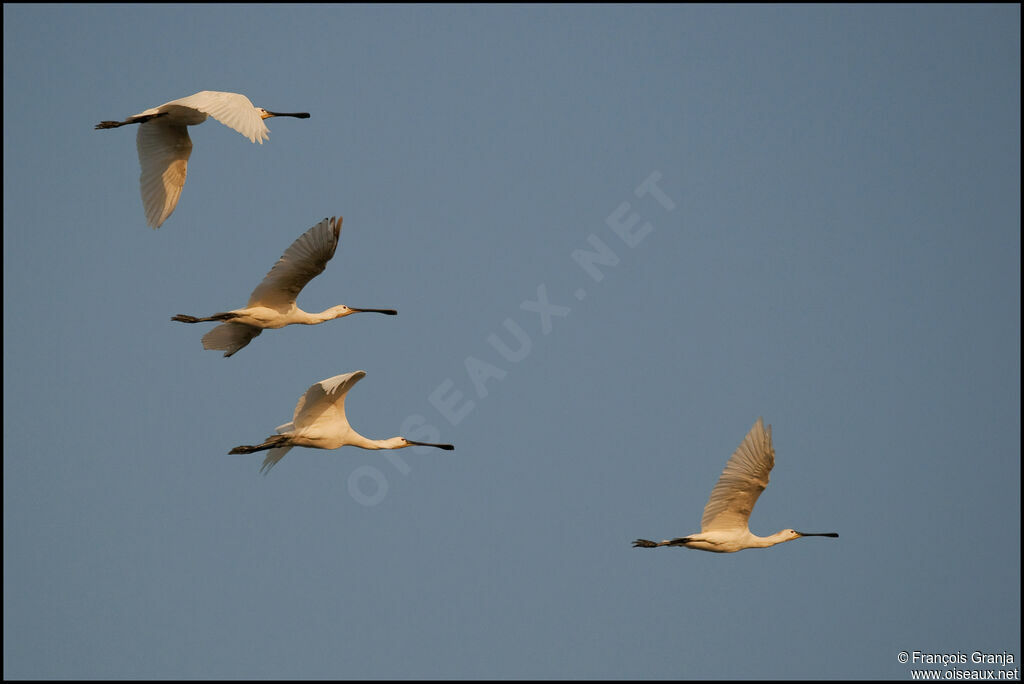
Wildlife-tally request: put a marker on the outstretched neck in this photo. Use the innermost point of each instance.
(325, 315)
(773, 539)
(367, 443)
(342, 310)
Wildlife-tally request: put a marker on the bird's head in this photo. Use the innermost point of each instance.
(339, 311)
(265, 114)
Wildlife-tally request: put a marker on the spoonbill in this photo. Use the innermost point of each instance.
(320, 423)
(723, 529)
(164, 146)
(272, 303)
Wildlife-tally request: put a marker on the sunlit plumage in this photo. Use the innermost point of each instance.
(320, 423)
(724, 526)
(272, 303)
(164, 145)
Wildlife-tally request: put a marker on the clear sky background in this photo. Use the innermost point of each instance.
(836, 248)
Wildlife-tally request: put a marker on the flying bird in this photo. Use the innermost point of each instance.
(320, 423)
(723, 529)
(272, 303)
(164, 146)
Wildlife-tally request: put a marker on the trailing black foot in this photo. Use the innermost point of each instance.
(271, 442)
(132, 120)
(644, 544)
(184, 318)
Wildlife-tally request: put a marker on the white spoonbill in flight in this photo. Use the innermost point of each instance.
(164, 146)
(272, 303)
(320, 423)
(723, 529)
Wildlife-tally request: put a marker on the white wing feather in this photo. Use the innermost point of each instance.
(163, 155)
(230, 337)
(305, 259)
(744, 478)
(326, 399)
(231, 109)
(273, 456)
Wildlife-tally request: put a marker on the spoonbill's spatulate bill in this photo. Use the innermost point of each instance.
(320, 423)
(723, 529)
(164, 146)
(272, 303)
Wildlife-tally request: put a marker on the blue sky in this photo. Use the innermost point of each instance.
(833, 244)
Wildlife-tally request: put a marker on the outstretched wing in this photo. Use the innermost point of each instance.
(164, 150)
(326, 401)
(744, 478)
(231, 109)
(304, 260)
(230, 337)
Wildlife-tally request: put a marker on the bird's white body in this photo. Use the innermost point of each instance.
(266, 317)
(724, 525)
(320, 423)
(727, 541)
(164, 145)
(272, 303)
